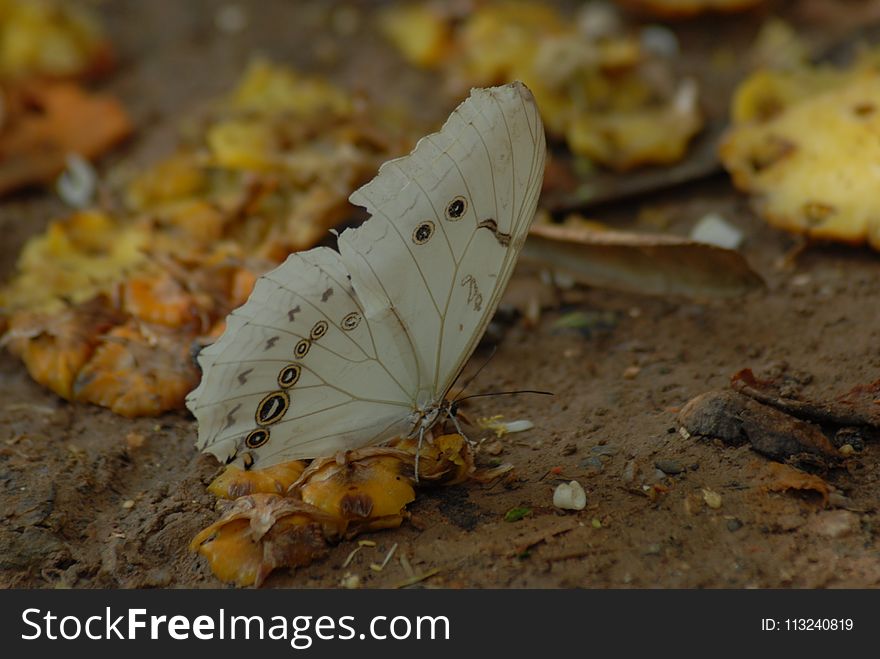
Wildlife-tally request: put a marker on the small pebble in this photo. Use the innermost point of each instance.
(631, 372)
(713, 229)
(570, 496)
(712, 498)
(569, 449)
(494, 447)
(230, 19)
(669, 466)
(593, 462)
(350, 581)
(834, 523)
(734, 525)
(629, 472)
(128, 504)
(847, 449)
(789, 522)
(653, 549)
(604, 450)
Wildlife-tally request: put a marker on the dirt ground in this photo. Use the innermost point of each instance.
(67, 469)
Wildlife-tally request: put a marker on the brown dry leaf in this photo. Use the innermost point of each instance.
(860, 406)
(736, 419)
(689, 8)
(46, 121)
(780, 477)
(644, 263)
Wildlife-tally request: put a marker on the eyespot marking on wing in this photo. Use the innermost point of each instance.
(351, 321)
(255, 439)
(423, 232)
(456, 209)
(289, 375)
(319, 330)
(272, 408)
(302, 348)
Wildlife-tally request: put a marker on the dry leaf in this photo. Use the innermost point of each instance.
(643, 263)
(782, 477)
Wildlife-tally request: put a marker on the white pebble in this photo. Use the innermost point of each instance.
(231, 19)
(570, 496)
(77, 184)
(715, 230)
(659, 40)
(520, 425)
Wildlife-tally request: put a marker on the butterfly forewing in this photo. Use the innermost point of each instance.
(337, 350)
(447, 223)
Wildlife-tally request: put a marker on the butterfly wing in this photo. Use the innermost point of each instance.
(300, 371)
(336, 350)
(447, 223)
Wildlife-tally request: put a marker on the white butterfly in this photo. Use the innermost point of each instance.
(339, 350)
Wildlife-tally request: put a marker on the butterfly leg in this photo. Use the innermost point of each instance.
(458, 429)
(419, 450)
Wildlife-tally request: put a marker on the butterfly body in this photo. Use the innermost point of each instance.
(335, 350)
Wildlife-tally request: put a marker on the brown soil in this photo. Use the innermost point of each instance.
(67, 470)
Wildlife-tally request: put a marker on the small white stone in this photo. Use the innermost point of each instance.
(659, 40)
(231, 19)
(715, 230)
(570, 496)
(520, 425)
(77, 184)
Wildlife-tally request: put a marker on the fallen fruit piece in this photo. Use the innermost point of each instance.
(137, 370)
(51, 39)
(261, 532)
(332, 498)
(45, 122)
(234, 482)
(688, 8)
(612, 99)
(806, 157)
(55, 347)
(368, 490)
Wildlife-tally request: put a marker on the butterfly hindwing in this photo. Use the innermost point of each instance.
(301, 366)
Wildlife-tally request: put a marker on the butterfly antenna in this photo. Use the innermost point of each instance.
(506, 393)
(474, 376)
